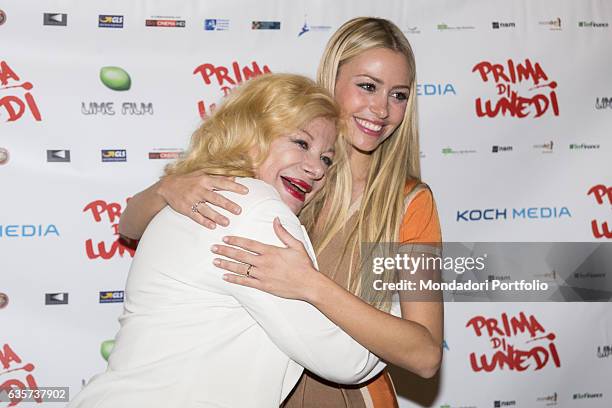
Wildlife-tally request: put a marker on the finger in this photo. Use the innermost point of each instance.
(200, 219)
(231, 266)
(284, 235)
(235, 254)
(217, 199)
(242, 280)
(228, 184)
(208, 212)
(248, 244)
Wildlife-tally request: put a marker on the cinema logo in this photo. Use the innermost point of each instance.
(165, 22)
(503, 334)
(548, 400)
(500, 149)
(496, 25)
(166, 154)
(520, 88)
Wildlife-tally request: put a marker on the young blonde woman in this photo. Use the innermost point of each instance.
(369, 67)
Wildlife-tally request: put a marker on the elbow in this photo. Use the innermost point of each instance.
(430, 362)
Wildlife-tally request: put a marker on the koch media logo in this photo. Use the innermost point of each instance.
(56, 298)
(496, 25)
(554, 24)
(545, 147)
(216, 24)
(163, 21)
(591, 24)
(500, 149)
(55, 19)
(525, 213)
(110, 21)
(115, 296)
(114, 155)
(116, 79)
(58, 156)
(265, 25)
(168, 154)
(499, 404)
(306, 28)
(603, 103)
(436, 89)
(583, 146)
(28, 230)
(588, 395)
(4, 156)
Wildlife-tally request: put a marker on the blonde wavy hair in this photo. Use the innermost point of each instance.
(253, 116)
(394, 162)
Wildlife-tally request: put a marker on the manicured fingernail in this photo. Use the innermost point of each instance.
(236, 210)
(214, 248)
(225, 239)
(217, 261)
(225, 277)
(225, 223)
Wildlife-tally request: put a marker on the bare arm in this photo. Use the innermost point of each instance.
(412, 342)
(180, 192)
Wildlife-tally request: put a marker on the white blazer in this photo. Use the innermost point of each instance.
(190, 339)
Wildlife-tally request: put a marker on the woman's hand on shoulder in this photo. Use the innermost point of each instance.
(195, 191)
(285, 272)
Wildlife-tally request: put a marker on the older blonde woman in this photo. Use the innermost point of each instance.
(187, 337)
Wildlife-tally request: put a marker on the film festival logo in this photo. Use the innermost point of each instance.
(601, 193)
(522, 89)
(503, 334)
(15, 104)
(14, 375)
(101, 211)
(226, 78)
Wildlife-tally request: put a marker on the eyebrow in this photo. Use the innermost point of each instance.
(330, 150)
(380, 81)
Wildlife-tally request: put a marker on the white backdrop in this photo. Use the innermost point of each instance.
(60, 200)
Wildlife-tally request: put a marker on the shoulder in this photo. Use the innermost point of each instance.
(420, 221)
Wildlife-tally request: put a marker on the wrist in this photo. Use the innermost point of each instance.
(316, 287)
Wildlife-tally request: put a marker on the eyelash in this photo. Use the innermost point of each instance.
(304, 145)
(370, 87)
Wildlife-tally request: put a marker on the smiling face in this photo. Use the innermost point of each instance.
(372, 91)
(297, 163)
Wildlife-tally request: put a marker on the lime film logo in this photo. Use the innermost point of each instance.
(115, 78)
(106, 348)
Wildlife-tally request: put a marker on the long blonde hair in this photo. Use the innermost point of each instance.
(253, 116)
(394, 162)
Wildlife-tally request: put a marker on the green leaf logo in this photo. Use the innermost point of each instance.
(115, 78)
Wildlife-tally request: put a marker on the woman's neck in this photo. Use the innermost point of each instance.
(360, 165)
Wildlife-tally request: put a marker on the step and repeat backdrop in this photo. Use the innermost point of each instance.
(515, 104)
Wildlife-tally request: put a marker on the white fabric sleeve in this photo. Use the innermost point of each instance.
(296, 327)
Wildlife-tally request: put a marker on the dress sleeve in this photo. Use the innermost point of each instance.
(296, 327)
(421, 223)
